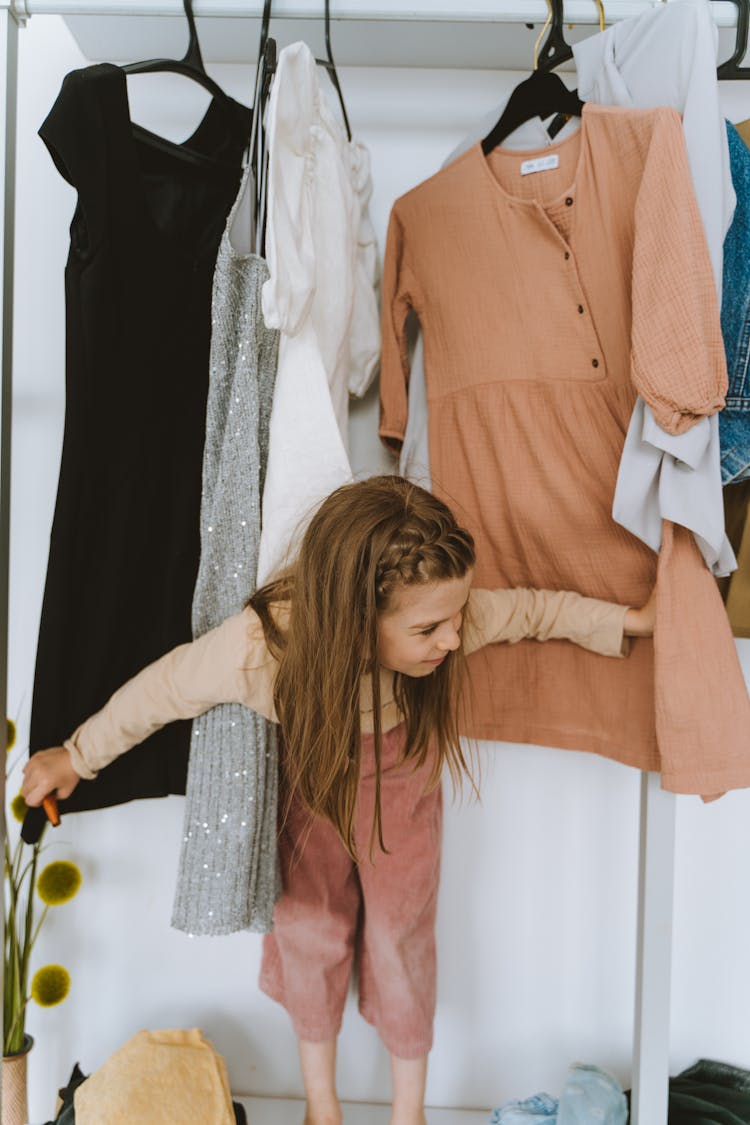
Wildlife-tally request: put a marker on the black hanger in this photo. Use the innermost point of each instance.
(265, 24)
(540, 95)
(330, 66)
(265, 70)
(191, 66)
(731, 68)
(544, 92)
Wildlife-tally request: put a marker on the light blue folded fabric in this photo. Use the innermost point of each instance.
(541, 1107)
(591, 1097)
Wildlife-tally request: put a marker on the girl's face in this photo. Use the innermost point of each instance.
(422, 625)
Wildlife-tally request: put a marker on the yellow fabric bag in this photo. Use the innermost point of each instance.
(158, 1078)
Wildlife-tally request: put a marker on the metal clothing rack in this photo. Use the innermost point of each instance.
(657, 808)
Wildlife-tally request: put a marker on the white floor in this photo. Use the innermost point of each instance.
(280, 1111)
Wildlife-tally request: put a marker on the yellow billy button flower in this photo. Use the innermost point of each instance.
(10, 735)
(58, 882)
(18, 807)
(50, 985)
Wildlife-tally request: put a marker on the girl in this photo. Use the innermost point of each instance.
(357, 651)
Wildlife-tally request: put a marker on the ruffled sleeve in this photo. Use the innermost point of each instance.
(670, 461)
(678, 364)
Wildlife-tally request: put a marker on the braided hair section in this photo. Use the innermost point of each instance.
(424, 548)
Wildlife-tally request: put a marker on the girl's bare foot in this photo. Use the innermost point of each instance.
(328, 1116)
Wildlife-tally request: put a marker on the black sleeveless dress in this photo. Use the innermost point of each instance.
(125, 543)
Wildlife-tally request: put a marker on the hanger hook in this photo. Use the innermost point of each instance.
(332, 68)
(541, 34)
(600, 6)
(193, 55)
(265, 24)
(329, 52)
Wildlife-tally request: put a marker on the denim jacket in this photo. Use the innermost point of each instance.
(734, 419)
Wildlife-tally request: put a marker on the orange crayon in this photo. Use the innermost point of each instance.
(49, 804)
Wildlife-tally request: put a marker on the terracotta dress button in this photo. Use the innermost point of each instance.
(567, 255)
(594, 362)
(580, 308)
(569, 201)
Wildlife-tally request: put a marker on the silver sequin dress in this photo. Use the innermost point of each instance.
(228, 877)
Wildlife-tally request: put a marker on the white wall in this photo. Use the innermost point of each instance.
(537, 915)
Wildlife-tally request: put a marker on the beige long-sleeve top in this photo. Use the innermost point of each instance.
(233, 664)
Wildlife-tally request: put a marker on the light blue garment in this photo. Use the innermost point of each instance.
(734, 420)
(541, 1107)
(591, 1097)
(677, 478)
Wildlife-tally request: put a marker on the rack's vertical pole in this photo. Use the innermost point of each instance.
(654, 954)
(8, 87)
(8, 90)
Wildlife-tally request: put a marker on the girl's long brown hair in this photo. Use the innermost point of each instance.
(366, 541)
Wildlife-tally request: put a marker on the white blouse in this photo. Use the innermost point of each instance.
(321, 294)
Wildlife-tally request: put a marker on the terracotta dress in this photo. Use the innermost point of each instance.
(547, 299)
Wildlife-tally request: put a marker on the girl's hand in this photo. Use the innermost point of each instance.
(640, 622)
(49, 771)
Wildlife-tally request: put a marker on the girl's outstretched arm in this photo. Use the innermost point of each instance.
(519, 614)
(229, 664)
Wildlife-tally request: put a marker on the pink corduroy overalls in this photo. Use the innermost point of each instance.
(380, 911)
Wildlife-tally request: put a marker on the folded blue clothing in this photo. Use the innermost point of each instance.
(591, 1097)
(540, 1107)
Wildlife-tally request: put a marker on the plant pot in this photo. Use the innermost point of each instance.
(14, 1094)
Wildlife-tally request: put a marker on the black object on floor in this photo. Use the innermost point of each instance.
(66, 1113)
(709, 1093)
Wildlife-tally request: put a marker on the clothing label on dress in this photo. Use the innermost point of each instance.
(541, 164)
